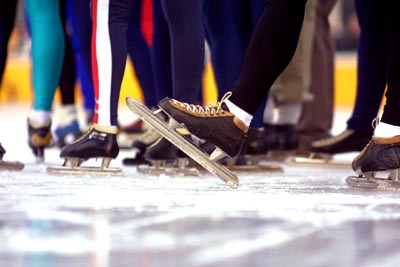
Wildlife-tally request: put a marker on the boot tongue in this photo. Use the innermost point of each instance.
(225, 107)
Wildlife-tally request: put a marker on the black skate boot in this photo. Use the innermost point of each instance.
(39, 137)
(282, 141)
(213, 124)
(146, 139)
(98, 142)
(347, 141)
(254, 151)
(379, 155)
(166, 159)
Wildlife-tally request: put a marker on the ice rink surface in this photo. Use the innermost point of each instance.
(306, 216)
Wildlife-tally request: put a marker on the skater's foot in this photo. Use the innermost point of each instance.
(39, 135)
(67, 129)
(347, 141)
(146, 139)
(163, 150)
(380, 154)
(255, 143)
(281, 137)
(98, 142)
(213, 124)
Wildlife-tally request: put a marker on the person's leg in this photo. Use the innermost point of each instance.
(47, 57)
(139, 52)
(7, 18)
(160, 52)
(67, 127)
(291, 89)
(372, 56)
(317, 115)
(382, 152)
(79, 18)
(228, 39)
(271, 48)
(187, 41)
(109, 52)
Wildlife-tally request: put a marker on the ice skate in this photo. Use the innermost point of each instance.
(165, 158)
(212, 124)
(9, 165)
(169, 132)
(282, 141)
(39, 135)
(68, 129)
(380, 156)
(98, 142)
(139, 146)
(252, 158)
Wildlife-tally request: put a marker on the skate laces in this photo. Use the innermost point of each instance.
(212, 109)
(334, 139)
(375, 122)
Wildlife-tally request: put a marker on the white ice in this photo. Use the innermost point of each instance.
(305, 216)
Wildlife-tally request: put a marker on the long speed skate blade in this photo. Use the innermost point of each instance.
(249, 163)
(169, 171)
(11, 165)
(182, 143)
(95, 171)
(305, 161)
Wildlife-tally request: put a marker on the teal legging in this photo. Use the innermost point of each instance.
(47, 50)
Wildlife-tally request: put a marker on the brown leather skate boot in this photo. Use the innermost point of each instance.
(213, 124)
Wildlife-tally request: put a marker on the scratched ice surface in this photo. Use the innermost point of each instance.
(302, 217)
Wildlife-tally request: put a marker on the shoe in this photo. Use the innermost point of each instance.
(39, 135)
(213, 124)
(163, 150)
(98, 142)
(256, 143)
(281, 137)
(149, 137)
(380, 154)
(347, 141)
(68, 129)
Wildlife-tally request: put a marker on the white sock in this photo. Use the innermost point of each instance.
(289, 113)
(386, 130)
(40, 116)
(238, 112)
(269, 111)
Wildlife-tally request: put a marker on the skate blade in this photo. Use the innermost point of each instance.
(11, 165)
(369, 181)
(95, 171)
(317, 162)
(252, 164)
(179, 167)
(168, 171)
